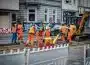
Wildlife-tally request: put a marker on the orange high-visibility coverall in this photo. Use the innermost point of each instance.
(71, 32)
(39, 36)
(64, 31)
(20, 31)
(48, 39)
(31, 35)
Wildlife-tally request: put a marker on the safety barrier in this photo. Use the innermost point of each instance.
(87, 61)
(30, 52)
(12, 56)
(64, 60)
(11, 51)
(33, 50)
(61, 61)
(5, 30)
(87, 55)
(26, 52)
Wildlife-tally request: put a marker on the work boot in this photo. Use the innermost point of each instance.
(70, 43)
(18, 42)
(22, 41)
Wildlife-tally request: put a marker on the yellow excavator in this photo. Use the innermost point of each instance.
(82, 23)
(79, 32)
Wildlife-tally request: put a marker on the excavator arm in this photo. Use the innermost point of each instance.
(82, 23)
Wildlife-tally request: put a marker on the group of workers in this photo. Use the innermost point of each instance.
(68, 32)
(42, 36)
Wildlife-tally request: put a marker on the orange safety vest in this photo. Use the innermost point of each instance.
(39, 35)
(31, 34)
(47, 33)
(20, 28)
(72, 29)
(64, 29)
(32, 30)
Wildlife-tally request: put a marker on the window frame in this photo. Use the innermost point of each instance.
(74, 2)
(32, 8)
(54, 14)
(69, 1)
(14, 16)
(66, 17)
(46, 14)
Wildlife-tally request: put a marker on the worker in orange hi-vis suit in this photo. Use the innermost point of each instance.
(31, 36)
(64, 32)
(20, 32)
(71, 32)
(48, 39)
(39, 37)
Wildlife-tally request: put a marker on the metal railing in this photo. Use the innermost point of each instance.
(12, 56)
(38, 50)
(33, 50)
(61, 61)
(87, 61)
(11, 51)
(65, 60)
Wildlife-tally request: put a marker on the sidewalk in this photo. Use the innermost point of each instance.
(76, 43)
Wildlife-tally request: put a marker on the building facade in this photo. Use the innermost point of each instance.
(69, 11)
(7, 10)
(84, 6)
(40, 10)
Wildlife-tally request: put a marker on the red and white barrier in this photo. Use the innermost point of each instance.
(11, 51)
(5, 30)
(34, 50)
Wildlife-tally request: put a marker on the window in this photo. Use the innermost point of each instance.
(46, 15)
(13, 17)
(68, 16)
(32, 15)
(74, 1)
(68, 1)
(45, 10)
(81, 10)
(54, 15)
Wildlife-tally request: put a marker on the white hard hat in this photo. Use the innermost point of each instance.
(47, 27)
(60, 27)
